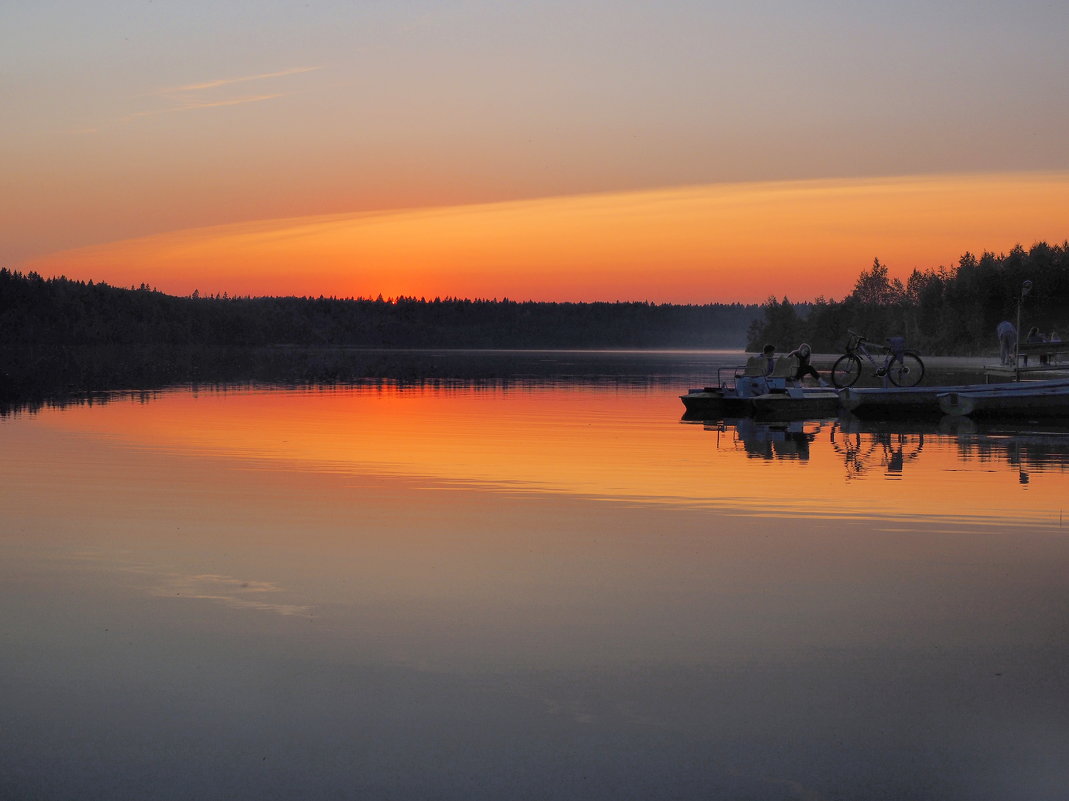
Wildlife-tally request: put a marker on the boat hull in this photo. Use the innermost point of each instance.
(916, 402)
(796, 406)
(894, 402)
(794, 403)
(714, 403)
(1050, 403)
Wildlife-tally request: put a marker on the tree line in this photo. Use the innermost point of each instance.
(61, 311)
(950, 311)
(947, 311)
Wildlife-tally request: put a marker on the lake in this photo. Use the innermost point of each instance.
(544, 587)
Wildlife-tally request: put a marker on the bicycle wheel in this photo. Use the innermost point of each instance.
(846, 371)
(906, 371)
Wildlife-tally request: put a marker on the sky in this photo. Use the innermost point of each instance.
(680, 151)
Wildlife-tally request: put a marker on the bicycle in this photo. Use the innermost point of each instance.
(903, 367)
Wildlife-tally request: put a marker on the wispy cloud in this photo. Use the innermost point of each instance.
(198, 104)
(205, 95)
(215, 84)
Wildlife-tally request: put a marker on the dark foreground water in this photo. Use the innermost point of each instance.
(527, 589)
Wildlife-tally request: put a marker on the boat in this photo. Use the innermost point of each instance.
(1036, 399)
(749, 389)
(731, 396)
(894, 401)
(796, 403)
(924, 401)
(714, 403)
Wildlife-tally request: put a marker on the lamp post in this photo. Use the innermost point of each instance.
(1026, 287)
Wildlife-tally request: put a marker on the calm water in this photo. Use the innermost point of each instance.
(550, 589)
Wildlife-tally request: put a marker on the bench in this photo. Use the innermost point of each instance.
(1045, 354)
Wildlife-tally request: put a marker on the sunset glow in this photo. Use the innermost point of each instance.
(583, 151)
(738, 242)
(352, 365)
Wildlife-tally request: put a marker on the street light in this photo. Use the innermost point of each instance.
(1026, 287)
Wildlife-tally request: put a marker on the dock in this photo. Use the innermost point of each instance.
(1046, 359)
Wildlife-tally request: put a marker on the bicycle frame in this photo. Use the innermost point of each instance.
(860, 349)
(903, 367)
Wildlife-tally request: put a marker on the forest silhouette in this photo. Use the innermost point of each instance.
(60, 311)
(943, 311)
(61, 335)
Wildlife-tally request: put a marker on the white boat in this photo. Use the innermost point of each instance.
(923, 401)
(1031, 399)
(796, 403)
(895, 401)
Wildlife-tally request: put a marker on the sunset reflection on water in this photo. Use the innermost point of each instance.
(614, 443)
(477, 592)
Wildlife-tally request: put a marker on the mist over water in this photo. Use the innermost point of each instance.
(542, 588)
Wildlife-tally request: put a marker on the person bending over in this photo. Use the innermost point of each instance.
(1007, 341)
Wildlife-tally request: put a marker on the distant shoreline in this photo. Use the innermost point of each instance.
(39, 374)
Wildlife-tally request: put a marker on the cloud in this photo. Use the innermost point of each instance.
(193, 104)
(207, 94)
(215, 84)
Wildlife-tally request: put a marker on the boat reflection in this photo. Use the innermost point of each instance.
(789, 440)
(861, 450)
(887, 448)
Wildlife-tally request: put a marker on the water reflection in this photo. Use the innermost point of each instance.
(767, 440)
(882, 450)
(888, 447)
(554, 590)
(952, 469)
(54, 376)
(615, 443)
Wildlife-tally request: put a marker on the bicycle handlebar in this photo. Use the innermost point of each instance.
(859, 338)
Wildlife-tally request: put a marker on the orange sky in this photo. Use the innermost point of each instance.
(686, 151)
(729, 242)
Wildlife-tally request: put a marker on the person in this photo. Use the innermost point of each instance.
(803, 353)
(1007, 341)
(769, 354)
